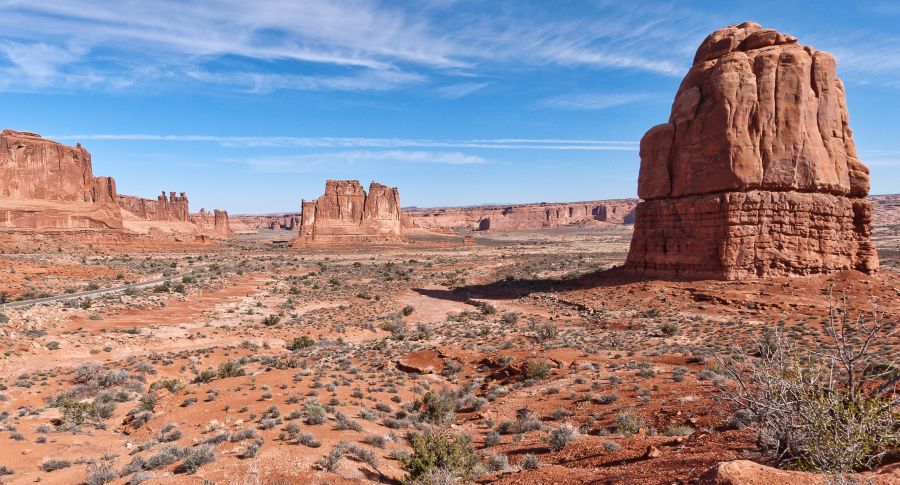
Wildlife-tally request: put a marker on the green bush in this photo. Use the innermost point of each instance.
(298, 343)
(537, 370)
(440, 407)
(628, 423)
(437, 450)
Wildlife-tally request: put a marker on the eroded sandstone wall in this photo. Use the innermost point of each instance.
(45, 185)
(346, 213)
(171, 208)
(756, 172)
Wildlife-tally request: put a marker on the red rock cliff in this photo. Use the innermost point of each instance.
(522, 216)
(756, 172)
(47, 185)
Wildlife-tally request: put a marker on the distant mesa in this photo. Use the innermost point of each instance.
(49, 187)
(347, 214)
(756, 173)
(523, 216)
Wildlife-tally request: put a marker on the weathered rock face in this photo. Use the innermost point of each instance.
(45, 185)
(213, 224)
(171, 208)
(756, 172)
(345, 213)
(523, 216)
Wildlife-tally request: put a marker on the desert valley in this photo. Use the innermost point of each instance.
(736, 323)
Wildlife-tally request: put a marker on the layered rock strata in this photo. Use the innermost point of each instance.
(213, 224)
(523, 216)
(173, 208)
(756, 173)
(45, 185)
(346, 213)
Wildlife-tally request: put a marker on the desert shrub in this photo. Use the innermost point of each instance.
(628, 423)
(831, 409)
(562, 436)
(531, 462)
(78, 412)
(100, 473)
(166, 456)
(315, 415)
(610, 446)
(230, 368)
(546, 332)
(438, 451)
(439, 407)
(407, 310)
(271, 320)
(49, 465)
(196, 458)
(492, 439)
(496, 462)
(298, 343)
(332, 460)
(537, 370)
(669, 329)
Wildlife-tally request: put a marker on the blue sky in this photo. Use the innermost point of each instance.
(250, 106)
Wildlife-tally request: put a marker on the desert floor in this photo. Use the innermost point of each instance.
(201, 380)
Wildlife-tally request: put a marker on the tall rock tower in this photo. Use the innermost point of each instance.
(756, 173)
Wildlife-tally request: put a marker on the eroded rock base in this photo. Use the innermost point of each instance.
(736, 235)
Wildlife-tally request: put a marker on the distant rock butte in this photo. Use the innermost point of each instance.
(213, 224)
(756, 173)
(347, 214)
(45, 185)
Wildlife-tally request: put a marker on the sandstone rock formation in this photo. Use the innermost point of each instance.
(756, 173)
(250, 223)
(523, 216)
(345, 213)
(213, 224)
(172, 208)
(45, 185)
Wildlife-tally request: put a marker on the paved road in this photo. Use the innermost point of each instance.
(101, 291)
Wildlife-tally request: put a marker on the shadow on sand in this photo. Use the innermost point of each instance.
(509, 289)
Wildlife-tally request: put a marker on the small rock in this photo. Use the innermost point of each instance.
(652, 452)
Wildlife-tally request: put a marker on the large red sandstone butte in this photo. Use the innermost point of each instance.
(45, 185)
(346, 214)
(756, 173)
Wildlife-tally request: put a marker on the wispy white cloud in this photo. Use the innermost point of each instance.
(459, 90)
(365, 44)
(327, 160)
(592, 101)
(353, 142)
